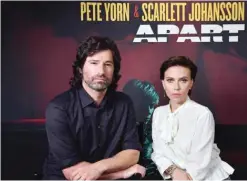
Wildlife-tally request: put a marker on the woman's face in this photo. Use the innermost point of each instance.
(177, 83)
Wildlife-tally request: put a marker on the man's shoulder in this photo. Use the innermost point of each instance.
(64, 98)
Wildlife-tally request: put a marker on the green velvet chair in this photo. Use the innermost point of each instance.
(145, 98)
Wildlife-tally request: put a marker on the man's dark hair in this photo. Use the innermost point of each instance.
(89, 47)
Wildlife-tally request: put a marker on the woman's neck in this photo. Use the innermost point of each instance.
(175, 105)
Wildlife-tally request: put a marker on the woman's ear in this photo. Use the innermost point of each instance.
(163, 84)
(191, 84)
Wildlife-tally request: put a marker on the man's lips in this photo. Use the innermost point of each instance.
(100, 79)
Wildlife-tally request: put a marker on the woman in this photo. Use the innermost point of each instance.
(183, 130)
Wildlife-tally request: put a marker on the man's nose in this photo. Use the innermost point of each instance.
(101, 69)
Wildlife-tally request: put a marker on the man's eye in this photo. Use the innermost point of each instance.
(108, 64)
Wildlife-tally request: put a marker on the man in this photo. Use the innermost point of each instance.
(91, 128)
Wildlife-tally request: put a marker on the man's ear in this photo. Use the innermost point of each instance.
(80, 70)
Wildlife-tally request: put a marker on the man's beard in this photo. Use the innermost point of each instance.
(98, 86)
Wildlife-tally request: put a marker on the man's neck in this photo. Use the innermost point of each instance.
(96, 95)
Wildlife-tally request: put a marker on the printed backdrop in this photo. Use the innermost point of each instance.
(39, 41)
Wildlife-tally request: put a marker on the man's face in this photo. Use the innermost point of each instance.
(98, 71)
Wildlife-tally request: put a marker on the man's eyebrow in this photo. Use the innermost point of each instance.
(109, 61)
(95, 60)
(169, 77)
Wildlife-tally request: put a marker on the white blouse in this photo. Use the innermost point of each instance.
(185, 138)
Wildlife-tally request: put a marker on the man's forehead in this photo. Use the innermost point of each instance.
(101, 55)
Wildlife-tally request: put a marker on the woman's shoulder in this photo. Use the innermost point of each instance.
(199, 108)
(202, 114)
(159, 114)
(159, 109)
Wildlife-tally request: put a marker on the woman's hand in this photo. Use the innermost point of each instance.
(179, 174)
(189, 176)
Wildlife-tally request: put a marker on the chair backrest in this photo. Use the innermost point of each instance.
(145, 98)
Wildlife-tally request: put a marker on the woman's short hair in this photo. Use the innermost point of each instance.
(178, 61)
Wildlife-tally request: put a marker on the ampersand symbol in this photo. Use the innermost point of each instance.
(136, 13)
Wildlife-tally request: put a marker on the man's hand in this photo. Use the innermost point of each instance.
(134, 169)
(89, 172)
(68, 171)
(179, 174)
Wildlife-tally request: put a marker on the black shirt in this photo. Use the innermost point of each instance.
(80, 130)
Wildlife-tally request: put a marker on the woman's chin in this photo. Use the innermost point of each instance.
(177, 100)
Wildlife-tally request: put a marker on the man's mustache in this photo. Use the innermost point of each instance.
(101, 77)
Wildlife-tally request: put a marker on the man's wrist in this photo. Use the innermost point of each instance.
(101, 165)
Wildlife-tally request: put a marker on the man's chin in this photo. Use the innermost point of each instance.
(99, 88)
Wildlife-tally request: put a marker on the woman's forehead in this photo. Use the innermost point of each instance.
(177, 71)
